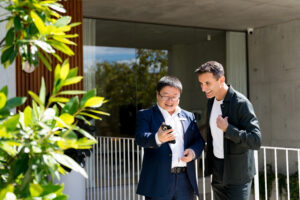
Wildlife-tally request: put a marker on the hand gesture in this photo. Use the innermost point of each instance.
(188, 155)
(222, 123)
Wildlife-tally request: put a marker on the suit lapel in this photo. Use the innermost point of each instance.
(183, 121)
(158, 117)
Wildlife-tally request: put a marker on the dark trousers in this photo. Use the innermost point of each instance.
(180, 189)
(228, 192)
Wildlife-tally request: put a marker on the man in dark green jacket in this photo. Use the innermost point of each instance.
(232, 134)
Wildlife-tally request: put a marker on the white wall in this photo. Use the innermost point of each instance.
(74, 185)
(274, 72)
(7, 76)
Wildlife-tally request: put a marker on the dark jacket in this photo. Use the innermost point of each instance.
(155, 177)
(240, 139)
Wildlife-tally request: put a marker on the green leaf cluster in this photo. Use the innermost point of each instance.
(35, 29)
(32, 142)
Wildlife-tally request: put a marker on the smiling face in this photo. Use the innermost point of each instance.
(211, 86)
(168, 98)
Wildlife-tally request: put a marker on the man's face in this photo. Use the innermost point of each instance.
(210, 85)
(168, 98)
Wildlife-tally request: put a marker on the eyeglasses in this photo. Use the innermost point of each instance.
(166, 98)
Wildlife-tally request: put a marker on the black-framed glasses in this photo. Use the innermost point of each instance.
(166, 98)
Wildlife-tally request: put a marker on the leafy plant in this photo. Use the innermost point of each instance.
(33, 141)
(282, 184)
(35, 29)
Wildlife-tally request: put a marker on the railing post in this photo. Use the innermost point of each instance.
(256, 180)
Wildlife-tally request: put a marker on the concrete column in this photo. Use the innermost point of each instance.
(236, 62)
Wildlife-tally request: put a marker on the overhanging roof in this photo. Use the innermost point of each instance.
(217, 14)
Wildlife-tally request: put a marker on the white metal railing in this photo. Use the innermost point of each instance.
(115, 163)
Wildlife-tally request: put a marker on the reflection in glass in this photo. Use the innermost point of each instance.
(127, 78)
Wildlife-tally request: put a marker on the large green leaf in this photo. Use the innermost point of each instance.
(58, 7)
(73, 72)
(98, 112)
(6, 54)
(59, 99)
(50, 188)
(45, 61)
(38, 22)
(27, 116)
(65, 67)
(11, 122)
(65, 120)
(63, 21)
(43, 45)
(90, 115)
(94, 102)
(4, 90)
(35, 98)
(10, 36)
(7, 148)
(75, 24)
(64, 40)
(14, 102)
(69, 162)
(71, 106)
(17, 23)
(10, 23)
(57, 57)
(57, 73)
(73, 80)
(2, 100)
(42, 94)
(61, 47)
(71, 92)
(35, 190)
(87, 95)
(86, 134)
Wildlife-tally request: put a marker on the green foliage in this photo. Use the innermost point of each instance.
(32, 142)
(127, 85)
(36, 28)
(270, 179)
(282, 184)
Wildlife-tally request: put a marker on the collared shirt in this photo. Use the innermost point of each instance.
(177, 148)
(217, 133)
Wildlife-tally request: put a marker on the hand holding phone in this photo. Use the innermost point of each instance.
(165, 127)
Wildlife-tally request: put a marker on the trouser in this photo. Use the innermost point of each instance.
(180, 189)
(227, 192)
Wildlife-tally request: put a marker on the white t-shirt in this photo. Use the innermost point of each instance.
(217, 134)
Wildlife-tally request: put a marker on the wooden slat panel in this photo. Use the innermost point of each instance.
(32, 81)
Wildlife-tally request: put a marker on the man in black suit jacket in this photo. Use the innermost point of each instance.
(232, 134)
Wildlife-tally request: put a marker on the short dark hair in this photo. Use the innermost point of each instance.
(213, 67)
(171, 81)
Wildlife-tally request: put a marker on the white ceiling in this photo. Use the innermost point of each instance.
(216, 14)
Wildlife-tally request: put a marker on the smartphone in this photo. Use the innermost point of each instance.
(167, 127)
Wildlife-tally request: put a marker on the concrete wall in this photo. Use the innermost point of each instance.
(274, 80)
